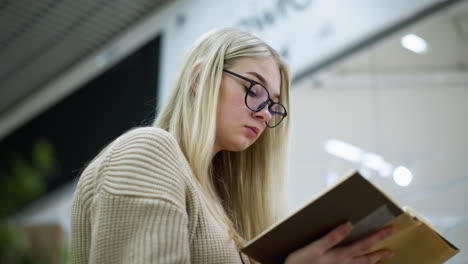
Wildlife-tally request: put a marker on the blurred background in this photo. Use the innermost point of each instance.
(378, 86)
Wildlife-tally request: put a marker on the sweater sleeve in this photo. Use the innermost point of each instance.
(139, 212)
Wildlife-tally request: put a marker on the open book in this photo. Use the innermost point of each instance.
(368, 208)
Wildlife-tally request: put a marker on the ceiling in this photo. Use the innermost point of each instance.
(41, 41)
(446, 34)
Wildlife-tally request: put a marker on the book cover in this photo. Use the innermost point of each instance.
(354, 199)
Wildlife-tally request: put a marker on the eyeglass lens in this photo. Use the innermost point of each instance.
(257, 98)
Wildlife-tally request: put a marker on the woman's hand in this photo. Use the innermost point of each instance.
(321, 251)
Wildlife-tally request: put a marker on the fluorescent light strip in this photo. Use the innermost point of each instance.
(343, 150)
(401, 175)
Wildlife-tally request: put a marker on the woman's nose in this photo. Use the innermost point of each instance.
(264, 115)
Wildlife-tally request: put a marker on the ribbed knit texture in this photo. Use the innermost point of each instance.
(138, 202)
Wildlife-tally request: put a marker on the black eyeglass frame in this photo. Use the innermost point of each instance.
(262, 105)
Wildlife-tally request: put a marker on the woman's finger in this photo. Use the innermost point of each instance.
(361, 246)
(374, 257)
(332, 238)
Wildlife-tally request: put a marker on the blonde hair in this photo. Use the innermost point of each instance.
(244, 190)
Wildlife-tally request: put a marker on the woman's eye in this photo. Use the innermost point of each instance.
(252, 93)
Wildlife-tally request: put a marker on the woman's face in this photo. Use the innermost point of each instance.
(237, 127)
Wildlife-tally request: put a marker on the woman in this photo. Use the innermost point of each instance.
(208, 175)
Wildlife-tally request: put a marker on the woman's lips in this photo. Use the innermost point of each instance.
(253, 131)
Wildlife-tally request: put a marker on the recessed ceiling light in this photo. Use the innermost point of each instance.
(402, 176)
(414, 43)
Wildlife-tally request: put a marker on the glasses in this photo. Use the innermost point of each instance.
(257, 97)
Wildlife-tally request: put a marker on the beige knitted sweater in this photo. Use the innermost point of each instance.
(138, 202)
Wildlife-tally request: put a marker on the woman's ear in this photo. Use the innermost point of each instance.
(195, 76)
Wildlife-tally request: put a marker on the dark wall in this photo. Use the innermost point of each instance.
(57, 144)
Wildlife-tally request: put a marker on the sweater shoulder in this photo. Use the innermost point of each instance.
(144, 162)
(152, 135)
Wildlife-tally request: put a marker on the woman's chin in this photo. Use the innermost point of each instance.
(241, 145)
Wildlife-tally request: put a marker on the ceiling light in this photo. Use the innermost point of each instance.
(367, 160)
(372, 161)
(385, 169)
(343, 150)
(402, 176)
(414, 43)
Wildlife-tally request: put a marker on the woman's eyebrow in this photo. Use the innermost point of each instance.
(264, 82)
(260, 77)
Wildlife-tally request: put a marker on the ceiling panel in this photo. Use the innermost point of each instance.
(446, 36)
(40, 40)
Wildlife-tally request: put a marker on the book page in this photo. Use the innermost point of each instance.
(367, 225)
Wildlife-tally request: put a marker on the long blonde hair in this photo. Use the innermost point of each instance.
(244, 190)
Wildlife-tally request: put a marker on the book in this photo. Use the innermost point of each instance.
(353, 198)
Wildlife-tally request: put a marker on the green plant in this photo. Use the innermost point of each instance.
(22, 182)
